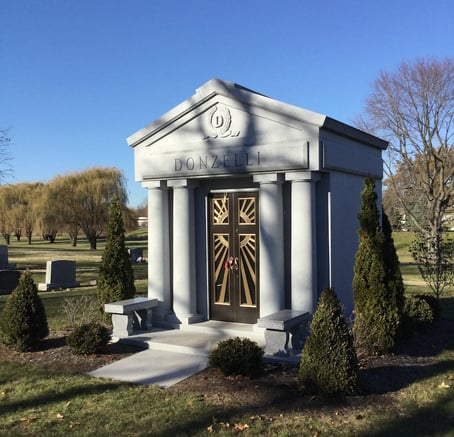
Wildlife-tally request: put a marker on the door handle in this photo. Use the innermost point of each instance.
(235, 264)
(231, 263)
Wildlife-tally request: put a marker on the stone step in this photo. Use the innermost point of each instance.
(191, 339)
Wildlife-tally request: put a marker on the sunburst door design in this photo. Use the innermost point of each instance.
(233, 257)
(247, 250)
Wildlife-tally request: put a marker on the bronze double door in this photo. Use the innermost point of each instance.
(233, 252)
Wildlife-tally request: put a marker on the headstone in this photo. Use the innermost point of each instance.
(4, 263)
(59, 274)
(9, 279)
(136, 254)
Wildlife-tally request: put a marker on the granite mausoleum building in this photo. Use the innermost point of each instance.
(252, 205)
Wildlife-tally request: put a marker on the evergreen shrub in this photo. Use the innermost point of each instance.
(392, 266)
(88, 338)
(329, 365)
(23, 322)
(377, 285)
(236, 356)
(434, 304)
(116, 276)
(418, 313)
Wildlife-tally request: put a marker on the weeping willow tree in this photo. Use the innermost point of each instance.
(81, 201)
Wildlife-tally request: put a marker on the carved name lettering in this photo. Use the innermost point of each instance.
(226, 160)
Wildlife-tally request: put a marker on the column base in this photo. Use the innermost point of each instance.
(185, 319)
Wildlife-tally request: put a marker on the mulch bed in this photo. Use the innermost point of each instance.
(381, 376)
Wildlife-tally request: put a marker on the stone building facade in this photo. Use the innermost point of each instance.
(252, 205)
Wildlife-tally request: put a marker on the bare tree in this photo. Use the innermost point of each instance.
(413, 108)
(400, 192)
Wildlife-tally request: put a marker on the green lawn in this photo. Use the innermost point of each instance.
(35, 256)
(34, 402)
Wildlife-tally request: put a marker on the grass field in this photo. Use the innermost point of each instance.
(35, 256)
(35, 402)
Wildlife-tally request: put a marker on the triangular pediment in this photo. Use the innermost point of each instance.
(225, 128)
(222, 110)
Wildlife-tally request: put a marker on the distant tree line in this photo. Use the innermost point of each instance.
(74, 203)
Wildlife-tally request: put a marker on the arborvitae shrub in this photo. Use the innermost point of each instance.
(236, 356)
(88, 338)
(392, 265)
(329, 366)
(116, 276)
(23, 321)
(376, 291)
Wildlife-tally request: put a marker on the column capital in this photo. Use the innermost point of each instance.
(269, 178)
(153, 185)
(302, 176)
(182, 183)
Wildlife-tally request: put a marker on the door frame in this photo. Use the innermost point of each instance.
(241, 313)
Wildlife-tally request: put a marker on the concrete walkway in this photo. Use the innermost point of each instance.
(175, 354)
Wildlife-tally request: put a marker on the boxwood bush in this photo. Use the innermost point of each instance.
(236, 356)
(88, 338)
(434, 304)
(418, 314)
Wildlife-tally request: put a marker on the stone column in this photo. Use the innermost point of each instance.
(271, 252)
(304, 242)
(184, 255)
(159, 248)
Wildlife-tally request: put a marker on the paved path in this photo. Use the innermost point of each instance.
(171, 355)
(150, 366)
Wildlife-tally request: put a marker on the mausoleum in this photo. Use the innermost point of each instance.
(252, 205)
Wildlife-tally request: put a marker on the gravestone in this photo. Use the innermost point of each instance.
(4, 263)
(9, 279)
(59, 274)
(136, 254)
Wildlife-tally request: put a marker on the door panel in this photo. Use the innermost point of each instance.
(233, 235)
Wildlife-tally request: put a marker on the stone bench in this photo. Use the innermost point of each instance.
(130, 315)
(278, 327)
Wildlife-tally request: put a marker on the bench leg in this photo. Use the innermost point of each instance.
(299, 334)
(122, 325)
(142, 319)
(276, 342)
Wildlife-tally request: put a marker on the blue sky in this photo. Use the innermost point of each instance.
(77, 77)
